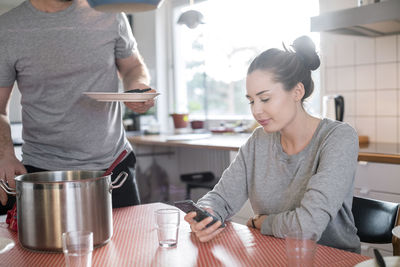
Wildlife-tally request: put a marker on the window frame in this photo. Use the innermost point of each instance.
(215, 120)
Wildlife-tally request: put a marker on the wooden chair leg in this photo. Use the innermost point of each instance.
(396, 246)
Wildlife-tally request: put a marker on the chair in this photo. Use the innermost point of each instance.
(375, 219)
(198, 180)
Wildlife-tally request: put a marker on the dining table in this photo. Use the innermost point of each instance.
(135, 243)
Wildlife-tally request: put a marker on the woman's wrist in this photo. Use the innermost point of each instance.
(258, 220)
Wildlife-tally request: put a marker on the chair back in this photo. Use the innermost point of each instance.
(200, 177)
(374, 219)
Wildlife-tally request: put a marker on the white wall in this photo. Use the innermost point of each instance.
(14, 106)
(6, 5)
(366, 72)
(155, 52)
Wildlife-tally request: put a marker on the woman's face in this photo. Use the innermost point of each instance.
(272, 106)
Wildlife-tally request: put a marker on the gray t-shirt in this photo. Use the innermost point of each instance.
(55, 57)
(309, 191)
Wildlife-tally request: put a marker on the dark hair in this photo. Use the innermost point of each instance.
(290, 67)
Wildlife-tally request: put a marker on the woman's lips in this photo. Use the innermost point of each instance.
(263, 122)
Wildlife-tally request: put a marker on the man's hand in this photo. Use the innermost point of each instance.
(10, 166)
(140, 107)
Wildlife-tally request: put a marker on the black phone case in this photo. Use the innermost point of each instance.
(189, 206)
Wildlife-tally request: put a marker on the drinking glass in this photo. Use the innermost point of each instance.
(77, 248)
(167, 222)
(300, 248)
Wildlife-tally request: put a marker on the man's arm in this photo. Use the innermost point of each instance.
(9, 164)
(133, 72)
(134, 75)
(6, 145)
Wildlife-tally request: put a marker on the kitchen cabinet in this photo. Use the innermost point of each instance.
(378, 181)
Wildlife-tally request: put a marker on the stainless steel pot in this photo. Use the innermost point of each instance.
(50, 203)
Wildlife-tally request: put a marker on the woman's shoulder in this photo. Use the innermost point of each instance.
(337, 126)
(338, 131)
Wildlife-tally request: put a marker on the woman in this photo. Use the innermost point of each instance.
(297, 170)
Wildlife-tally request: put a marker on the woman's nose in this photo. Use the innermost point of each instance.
(257, 108)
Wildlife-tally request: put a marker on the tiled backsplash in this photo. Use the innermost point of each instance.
(366, 72)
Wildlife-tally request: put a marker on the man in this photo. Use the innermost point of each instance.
(55, 50)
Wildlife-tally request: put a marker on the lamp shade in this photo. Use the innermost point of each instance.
(191, 18)
(129, 6)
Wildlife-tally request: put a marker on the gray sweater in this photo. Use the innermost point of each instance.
(308, 191)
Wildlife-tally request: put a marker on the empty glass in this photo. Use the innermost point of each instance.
(167, 222)
(77, 248)
(300, 248)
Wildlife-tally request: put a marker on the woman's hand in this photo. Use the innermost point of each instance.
(256, 221)
(199, 228)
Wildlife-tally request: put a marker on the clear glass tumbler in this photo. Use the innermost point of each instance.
(167, 222)
(77, 248)
(300, 248)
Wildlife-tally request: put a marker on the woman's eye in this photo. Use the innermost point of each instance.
(264, 100)
(251, 102)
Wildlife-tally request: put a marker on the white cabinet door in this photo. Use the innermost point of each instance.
(378, 181)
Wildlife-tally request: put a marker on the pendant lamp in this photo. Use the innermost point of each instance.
(191, 18)
(128, 6)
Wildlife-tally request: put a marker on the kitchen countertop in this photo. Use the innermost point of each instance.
(230, 142)
(380, 152)
(372, 152)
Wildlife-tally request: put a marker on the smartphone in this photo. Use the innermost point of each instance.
(189, 206)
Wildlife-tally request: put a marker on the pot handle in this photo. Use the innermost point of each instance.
(7, 189)
(113, 186)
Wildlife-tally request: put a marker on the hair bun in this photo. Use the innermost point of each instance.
(305, 48)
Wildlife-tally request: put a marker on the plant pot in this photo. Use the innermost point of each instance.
(197, 124)
(180, 120)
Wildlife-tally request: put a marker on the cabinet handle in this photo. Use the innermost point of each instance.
(364, 191)
(364, 247)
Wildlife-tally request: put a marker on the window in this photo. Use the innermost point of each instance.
(210, 61)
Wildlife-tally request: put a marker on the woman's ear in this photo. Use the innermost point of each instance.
(298, 92)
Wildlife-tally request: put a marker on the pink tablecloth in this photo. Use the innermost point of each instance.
(135, 244)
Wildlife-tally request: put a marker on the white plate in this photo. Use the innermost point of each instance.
(396, 231)
(6, 244)
(393, 261)
(125, 97)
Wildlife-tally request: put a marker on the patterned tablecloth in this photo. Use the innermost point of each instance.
(134, 243)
